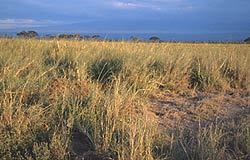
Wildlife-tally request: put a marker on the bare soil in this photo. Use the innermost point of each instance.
(171, 110)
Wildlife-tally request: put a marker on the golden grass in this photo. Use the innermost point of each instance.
(47, 91)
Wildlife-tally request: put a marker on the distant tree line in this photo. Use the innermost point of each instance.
(34, 34)
(76, 37)
(155, 39)
(151, 39)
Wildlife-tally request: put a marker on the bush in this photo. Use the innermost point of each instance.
(233, 75)
(157, 67)
(200, 77)
(104, 70)
(67, 68)
(49, 59)
(51, 55)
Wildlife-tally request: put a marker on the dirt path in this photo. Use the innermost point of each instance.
(172, 110)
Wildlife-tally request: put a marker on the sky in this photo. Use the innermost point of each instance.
(127, 16)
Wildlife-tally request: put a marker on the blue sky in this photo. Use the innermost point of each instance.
(163, 16)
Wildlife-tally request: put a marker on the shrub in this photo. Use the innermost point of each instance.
(50, 59)
(233, 75)
(196, 77)
(103, 70)
(157, 67)
(200, 77)
(67, 68)
(51, 55)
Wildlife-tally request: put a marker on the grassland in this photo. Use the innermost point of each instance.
(64, 99)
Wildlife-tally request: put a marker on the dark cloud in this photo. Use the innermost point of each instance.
(147, 15)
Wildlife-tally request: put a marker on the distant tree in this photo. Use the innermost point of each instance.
(50, 36)
(247, 40)
(60, 36)
(65, 36)
(32, 34)
(70, 36)
(135, 38)
(154, 39)
(95, 37)
(28, 34)
(77, 37)
(22, 34)
(86, 37)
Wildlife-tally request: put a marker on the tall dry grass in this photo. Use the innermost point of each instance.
(51, 88)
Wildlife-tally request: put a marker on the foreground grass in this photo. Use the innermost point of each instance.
(63, 99)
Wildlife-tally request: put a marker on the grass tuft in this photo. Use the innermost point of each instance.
(105, 69)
